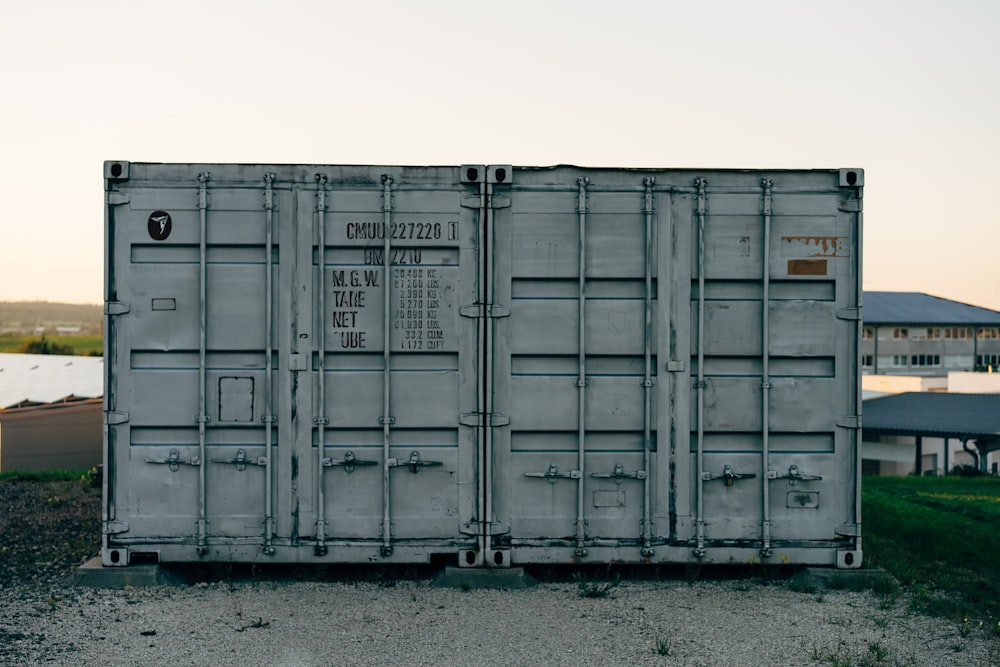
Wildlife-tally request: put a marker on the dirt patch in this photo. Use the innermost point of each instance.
(47, 529)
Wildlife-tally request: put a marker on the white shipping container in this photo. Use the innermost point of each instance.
(499, 365)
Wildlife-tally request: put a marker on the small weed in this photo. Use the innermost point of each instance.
(885, 586)
(837, 582)
(259, 623)
(829, 657)
(51, 604)
(837, 660)
(595, 589)
(663, 646)
(802, 585)
(876, 655)
(881, 622)
(936, 603)
(967, 625)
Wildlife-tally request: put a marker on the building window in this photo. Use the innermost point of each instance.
(899, 333)
(989, 333)
(899, 360)
(868, 333)
(958, 333)
(868, 360)
(928, 333)
(988, 360)
(925, 360)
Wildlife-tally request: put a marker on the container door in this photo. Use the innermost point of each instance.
(774, 331)
(385, 347)
(579, 256)
(193, 302)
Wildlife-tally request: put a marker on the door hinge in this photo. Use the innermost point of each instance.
(675, 366)
(114, 417)
(492, 310)
(116, 308)
(851, 421)
(852, 314)
(850, 205)
(116, 198)
(848, 530)
(492, 527)
(499, 201)
(473, 201)
(115, 527)
(297, 362)
(476, 419)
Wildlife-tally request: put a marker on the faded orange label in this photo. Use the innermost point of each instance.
(819, 246)
(807, 267)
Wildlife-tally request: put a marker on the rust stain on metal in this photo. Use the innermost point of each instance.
(826, 245)
(807, 267)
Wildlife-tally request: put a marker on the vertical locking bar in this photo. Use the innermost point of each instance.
(483, 452)
(858, 393)
(700, 183)
(647, 384)
(581, 382)
(487, 324)
(202, 418)
(268, 351)
(765, 381)
(321, 419)
(386, 354)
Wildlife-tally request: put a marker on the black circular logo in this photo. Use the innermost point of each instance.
(159, 225)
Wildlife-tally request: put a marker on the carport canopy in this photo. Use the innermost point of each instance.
(965, 417)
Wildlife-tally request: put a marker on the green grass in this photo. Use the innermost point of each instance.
(939, 537)
(85, 345)
(45, 475)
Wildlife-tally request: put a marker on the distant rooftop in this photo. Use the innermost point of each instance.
(27, 379)
(919, 308)
(974, 416)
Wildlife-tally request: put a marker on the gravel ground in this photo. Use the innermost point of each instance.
(45, 530)
(410, 623)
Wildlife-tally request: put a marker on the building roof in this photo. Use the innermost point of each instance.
(972, 416)
(919, 308)
(46, 378)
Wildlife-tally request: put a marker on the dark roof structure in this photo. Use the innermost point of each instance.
(919, 308)
(943, 415)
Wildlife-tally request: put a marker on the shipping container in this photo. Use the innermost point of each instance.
(491, 364)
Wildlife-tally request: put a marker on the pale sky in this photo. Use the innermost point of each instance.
(909, 90)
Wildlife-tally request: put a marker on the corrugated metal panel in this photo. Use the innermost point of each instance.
(507, 365)
(44, 378)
